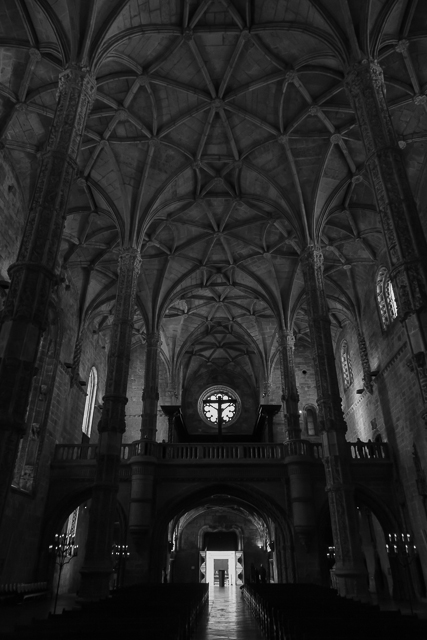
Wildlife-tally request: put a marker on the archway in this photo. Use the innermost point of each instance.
(385, 578)
(71, 517)
(261, 527)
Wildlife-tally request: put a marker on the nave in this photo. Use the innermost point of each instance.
(228, 618)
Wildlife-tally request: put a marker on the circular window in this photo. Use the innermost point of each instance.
(216, 401)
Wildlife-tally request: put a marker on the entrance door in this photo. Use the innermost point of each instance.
(221, 561)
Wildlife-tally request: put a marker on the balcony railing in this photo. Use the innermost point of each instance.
(303, 448)
(75, 452)
(369, 450)
(69, 453)
(222, 452)
(165, 452)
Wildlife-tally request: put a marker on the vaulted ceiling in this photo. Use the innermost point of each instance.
(220, 143)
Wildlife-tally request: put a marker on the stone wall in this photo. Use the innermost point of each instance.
(61, 422)
(393, 410)
(209, 376)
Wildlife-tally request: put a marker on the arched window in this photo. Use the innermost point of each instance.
(347, 370)
(311, 421)
(386, 298)
(90, 402)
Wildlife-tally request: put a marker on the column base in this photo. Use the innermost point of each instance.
(94, 585)
(352, 583)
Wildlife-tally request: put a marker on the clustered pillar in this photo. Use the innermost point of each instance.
(298, 465)
(34, 273)
(349, 568)
(98, 562)
(150, 396)
(403, 234)
(289, 385)
(402, 230)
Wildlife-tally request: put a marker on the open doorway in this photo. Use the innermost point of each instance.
(221, 568)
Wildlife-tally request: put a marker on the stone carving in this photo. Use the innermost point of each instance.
(418, 365)
(289, 385)
(421, 478)
(329, 400)
(266, 389)
(150, 395)
(332, 423)
(33, 275)
(113, 410)
(402, 230)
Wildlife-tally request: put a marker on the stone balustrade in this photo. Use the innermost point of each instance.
(75, 452)
(187, 452)
(303, 448)
(369, 450)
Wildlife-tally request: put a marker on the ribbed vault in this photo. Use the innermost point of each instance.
(221, 143)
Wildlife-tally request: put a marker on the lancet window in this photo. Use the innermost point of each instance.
(347, 369)
(386, 298)
(90, 402)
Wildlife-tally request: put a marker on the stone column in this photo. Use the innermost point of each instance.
(403, 234)
(349, 567)
(150, 395)
(34, 273)
(98, 562)
(290, 395)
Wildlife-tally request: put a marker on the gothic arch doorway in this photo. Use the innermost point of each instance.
(71, 517)
(261, 529)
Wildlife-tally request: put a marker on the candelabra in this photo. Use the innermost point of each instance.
(64, 549)
(330, 554)
(401, 547)
(120, 553)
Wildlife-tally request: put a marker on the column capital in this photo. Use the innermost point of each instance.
(79, 77)
(286, 339)
(152, 340)
(360, 75)
(129, 257)
(312, 255)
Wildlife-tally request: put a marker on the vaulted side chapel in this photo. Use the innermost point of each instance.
(213, 291)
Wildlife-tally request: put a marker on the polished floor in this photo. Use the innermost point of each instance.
(227, 618)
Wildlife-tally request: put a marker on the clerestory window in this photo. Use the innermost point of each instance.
(386, 298)
(90, 402)
(347, 370)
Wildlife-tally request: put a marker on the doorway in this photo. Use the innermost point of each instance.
(217, 561)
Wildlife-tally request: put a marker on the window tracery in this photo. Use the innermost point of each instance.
(386, 298)
(219, 397)
(346, 366)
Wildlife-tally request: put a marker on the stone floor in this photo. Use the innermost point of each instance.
(228, 617)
